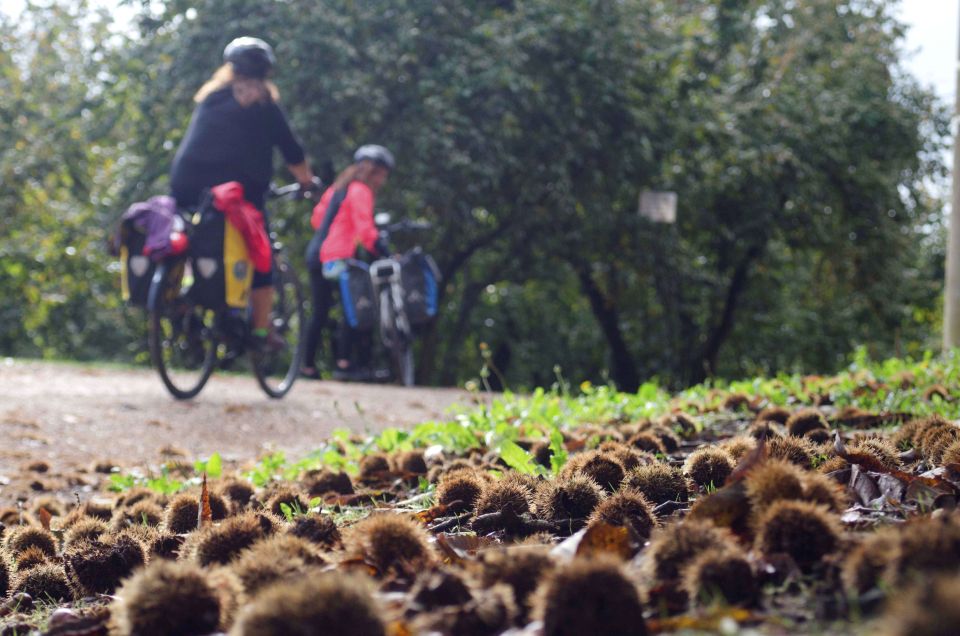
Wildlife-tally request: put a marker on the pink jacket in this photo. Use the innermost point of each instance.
(352, 226)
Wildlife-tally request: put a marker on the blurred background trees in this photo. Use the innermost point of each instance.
(802, 154)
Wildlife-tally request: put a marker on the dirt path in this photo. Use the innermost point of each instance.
(72, 416)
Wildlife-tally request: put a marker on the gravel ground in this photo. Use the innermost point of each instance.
(59, 420)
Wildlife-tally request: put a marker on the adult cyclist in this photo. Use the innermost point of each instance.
(343, 220)
(235, 127)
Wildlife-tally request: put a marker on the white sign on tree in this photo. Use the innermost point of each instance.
(659, 207)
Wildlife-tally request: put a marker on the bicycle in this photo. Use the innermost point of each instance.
(186, 340)
(393, 298)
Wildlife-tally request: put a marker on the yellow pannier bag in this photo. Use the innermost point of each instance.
(222, 268)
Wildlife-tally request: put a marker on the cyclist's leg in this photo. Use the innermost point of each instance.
(321, 292)
(363, 343)
(261, 295)
(345, 341)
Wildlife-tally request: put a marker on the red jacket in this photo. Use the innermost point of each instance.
(352, 226)
(228, 198)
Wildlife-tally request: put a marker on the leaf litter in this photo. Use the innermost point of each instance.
(428, 560)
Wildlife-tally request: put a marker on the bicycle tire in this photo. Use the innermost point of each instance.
(396, 342)
(277, 371)
(403, 362)
(178, 332)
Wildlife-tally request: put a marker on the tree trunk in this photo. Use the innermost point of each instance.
(471, 294)
(707, 363)
(624, 369)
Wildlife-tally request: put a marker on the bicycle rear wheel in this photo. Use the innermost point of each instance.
(181, 335)
(277, 370)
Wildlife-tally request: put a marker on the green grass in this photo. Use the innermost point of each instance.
(889, 386)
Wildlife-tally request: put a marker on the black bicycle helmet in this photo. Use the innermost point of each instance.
(376, 154)
(251, 57)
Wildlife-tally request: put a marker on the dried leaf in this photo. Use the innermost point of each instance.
(891, 488)
(709, 622)
(872, 464)
(432, 514)
(354, 499)
(922, 494)
(750, 461)
(951, 472)
(358, 563)
(603, 538)
(399, 628)
(204, 512)
(458, 548)
(864, 486)
(45, 517)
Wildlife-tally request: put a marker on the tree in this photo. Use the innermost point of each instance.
(525, 131)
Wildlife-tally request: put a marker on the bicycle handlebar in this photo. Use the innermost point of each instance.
(295, 191)
(405, 225)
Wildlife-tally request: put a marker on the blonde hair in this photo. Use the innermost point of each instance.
(355, 172)
(225, 76)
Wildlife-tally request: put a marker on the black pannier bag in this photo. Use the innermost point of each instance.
(356, 294)
(419, 278)
(222, 269)
(137, 269)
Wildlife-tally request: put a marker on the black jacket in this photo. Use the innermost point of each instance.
(227, 142)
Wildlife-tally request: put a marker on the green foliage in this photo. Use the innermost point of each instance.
(801, 152)
(517, 458)
(212, 466)
(265, 470)
(67, 105)
(163, 484)
(558, 451)
(293, 509)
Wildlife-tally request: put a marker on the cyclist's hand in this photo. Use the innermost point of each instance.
(311, 188)
(381, 247)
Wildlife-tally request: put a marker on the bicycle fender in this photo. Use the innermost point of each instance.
(155, 284)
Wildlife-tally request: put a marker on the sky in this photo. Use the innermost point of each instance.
(931, 43)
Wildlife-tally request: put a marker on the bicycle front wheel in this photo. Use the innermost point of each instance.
(403, 361)
(181, 336)
(396, 339)
(277, 367)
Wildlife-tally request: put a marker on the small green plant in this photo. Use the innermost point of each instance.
(163, 484)
(266, 468)
(293, 509)
(558, 451)
(517, 458)
(212, 466)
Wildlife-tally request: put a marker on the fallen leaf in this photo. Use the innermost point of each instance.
(458, 548)
(871, 463)
(432, 514)
(399, 628)
(864, 486)
(709, 622)
(357, 563)
(603, 538)
(204, 512)
(45, 517)
(750, 461)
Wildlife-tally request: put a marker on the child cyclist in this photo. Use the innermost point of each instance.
(343, 220)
